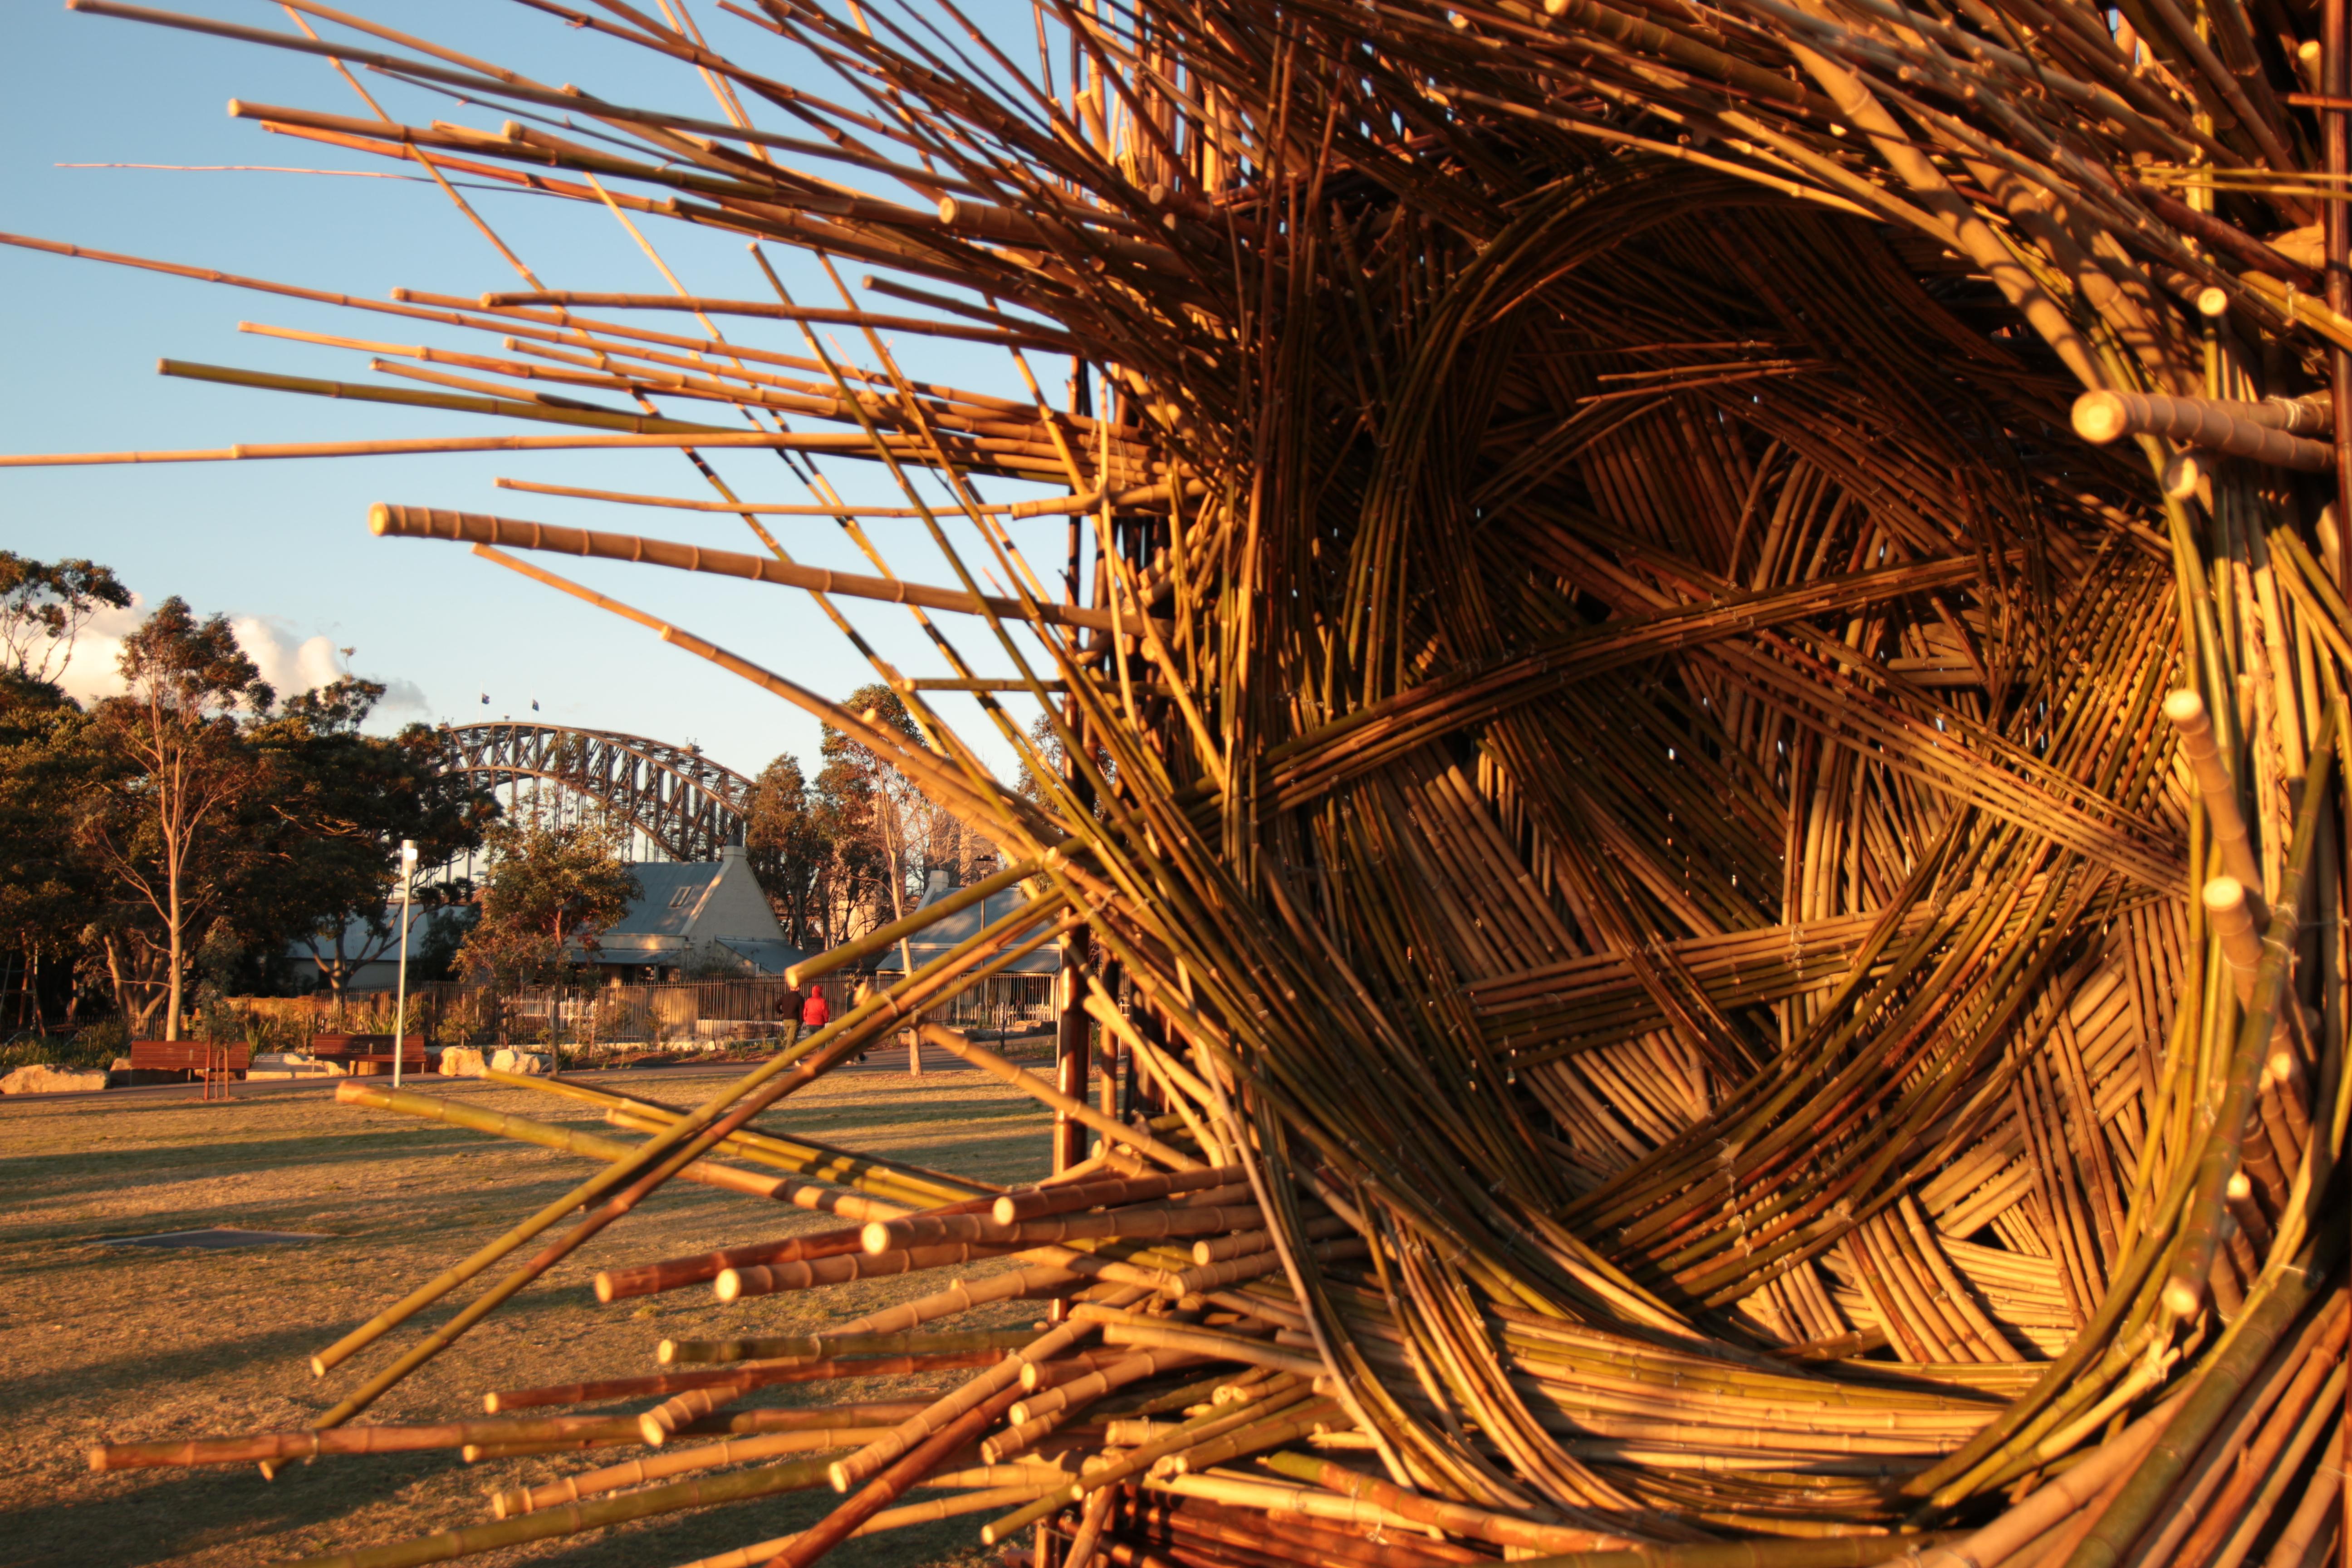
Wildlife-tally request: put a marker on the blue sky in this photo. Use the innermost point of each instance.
(283, 545)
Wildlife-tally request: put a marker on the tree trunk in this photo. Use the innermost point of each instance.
(174, 921)
(114, 976)
(172, 1013)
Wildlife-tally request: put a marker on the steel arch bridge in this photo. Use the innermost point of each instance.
(679, 798)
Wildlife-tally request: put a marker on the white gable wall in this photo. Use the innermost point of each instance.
(732, 904)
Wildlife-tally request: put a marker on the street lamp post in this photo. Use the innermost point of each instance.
(407, 901)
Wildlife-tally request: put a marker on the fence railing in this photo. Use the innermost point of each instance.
(686, 1013)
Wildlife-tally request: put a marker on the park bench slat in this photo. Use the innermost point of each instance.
(188, 1056)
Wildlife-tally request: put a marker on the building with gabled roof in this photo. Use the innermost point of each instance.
(937, 939)
(693, 914)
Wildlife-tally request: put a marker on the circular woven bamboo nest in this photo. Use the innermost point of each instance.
(1610, 746)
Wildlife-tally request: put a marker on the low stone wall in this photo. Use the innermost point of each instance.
(42, 1078)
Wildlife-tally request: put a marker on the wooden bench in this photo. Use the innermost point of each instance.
(206, 1063)
(369, 1056)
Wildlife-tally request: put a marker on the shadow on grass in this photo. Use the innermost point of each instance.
(69, 1174)
(284, 1344)
(165, 1514)
(347, 1217)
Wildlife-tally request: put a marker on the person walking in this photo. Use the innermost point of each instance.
(815, 1014)
(788, 1013)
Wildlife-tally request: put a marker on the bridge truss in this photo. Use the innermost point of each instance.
(683, 803)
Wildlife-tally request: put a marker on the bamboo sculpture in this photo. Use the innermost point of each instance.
(1699, 686)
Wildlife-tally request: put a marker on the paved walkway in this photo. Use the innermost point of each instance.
(890, 1060)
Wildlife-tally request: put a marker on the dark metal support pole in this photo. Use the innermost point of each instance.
(2336, 134)
(1111, 1101)
(1073, 1031)
(1072, 1043)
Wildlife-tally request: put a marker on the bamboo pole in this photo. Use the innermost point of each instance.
(386, 520)
(1037, 1089)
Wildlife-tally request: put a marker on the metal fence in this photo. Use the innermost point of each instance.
(686, 1014)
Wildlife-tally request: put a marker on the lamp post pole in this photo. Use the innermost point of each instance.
(407, 900)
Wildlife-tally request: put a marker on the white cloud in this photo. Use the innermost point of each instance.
(95, 670)
(288, 663)
(403, 701)
(287, 660)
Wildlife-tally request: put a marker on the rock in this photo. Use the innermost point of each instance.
(531, 1062)
(291, 1064)
(461, 1061)
(42, 1078)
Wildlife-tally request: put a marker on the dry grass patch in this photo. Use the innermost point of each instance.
(101, 1342)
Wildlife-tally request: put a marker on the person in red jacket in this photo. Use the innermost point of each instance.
(815, 1014)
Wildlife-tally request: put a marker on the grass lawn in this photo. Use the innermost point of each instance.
(101, 1342)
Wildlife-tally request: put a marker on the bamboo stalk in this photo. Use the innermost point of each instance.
(1107, 1193)
(518, 1501)
(1037, 1089)
(763, 1551)
(887, 1484)
(308, 1444)
(670, 1383)
(691, 1352)
(2253, 430)
(565, 1140)
(573, 1519)
(762, 1279)
(2214, 788)
(385, 521)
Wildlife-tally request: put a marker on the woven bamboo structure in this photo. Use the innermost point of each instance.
(1699, 685)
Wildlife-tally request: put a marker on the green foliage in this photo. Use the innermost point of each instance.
(445, 931)
(342, 802)
(829, 852)
(791, 849)
(177, 838)
(888, 837)
(550, 885)
(93, 1049)
(1048, 746)
(46, 890)
(172, 773)
(44, 604)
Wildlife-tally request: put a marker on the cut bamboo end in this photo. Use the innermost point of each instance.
(876, 1238)
(2225, 896)
(997, 1532)
(2099, 417)
(728, 1285)
(2186, 709)
(2184, 475)
(379, 522)
(2232, 913)
(665, 1353)
(2182, 1297)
